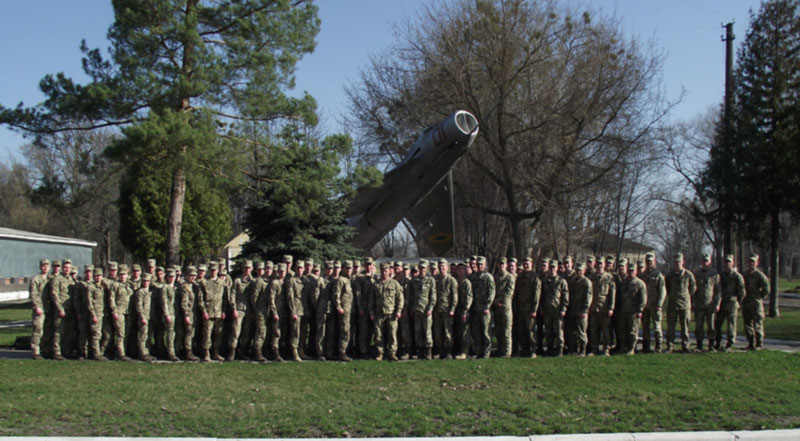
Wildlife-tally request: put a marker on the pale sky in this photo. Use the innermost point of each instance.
(43, 36)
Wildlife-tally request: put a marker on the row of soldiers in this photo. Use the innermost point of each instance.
(300, 310)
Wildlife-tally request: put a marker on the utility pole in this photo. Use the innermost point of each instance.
(727, 148)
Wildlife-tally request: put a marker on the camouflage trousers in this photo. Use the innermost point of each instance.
(293, 326)
(461, 335)
(237, 324)
(386, 333)
(142, 332)
(422, 330)
(364, 333)
(443, 332)
(108, 332)
(38, 327)
(681, 316)
(183, 335)
(212, 334)
(576, 333)
(650, 316)
(753, 317)
(96, 333)
(481, 341)
(84, 329)
(319, 337)
(165, 336)
(627, 333)
(599, 331)
(119, 334)
(704, 322)
(503, 319)
(405, 333)
(728, 316)
(523, 334)
(554, 331)
(343, 327)
(265, 325)
(307, 332)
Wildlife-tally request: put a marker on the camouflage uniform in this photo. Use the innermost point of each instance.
(732, 293)
(362, 286)
(405, 326)
(57, 293)
(239, 305)
(483, 292)
(462, 334)
(527, 292)
(705, 302)
(142, 301)
(604, 291)
(342, 302)
(263, 303)
(122, 299)
(385, 303)
(95, 306)
(35, 290)
(502, 313)
(756, 290)
(656, 294)
(580, 298)
(213, 295)
(324, 309)
(274, 302)
(293, 289)
(164, 297)
(631, 300)
(423, 300)
(308, 323)
(681, 286)
(554, 302)
(444, 312)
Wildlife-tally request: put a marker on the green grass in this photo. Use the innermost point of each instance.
(786, 285)
(9, 335)
(15, 313)
(785, 327)
(660, 392)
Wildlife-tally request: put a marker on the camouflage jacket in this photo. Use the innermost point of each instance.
(731, 290)
(446, 294)
(555, 294)
(707, 295)
(681, 285)
(656, 288)
(604, 293)
(385, 298)
(527, 292)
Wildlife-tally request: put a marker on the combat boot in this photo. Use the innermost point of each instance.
(429, 354)
(343, 357)
(392, 357)
(463, 356)
(230, 356)
(275, 354)
(190, 356)
(379, 357)
(206, 355)
(260, 357)
(217, 357)
(295, 355)
(123, 358)
(171, 357)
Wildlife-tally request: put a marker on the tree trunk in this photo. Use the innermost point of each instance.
(774, 244)
(175, 221)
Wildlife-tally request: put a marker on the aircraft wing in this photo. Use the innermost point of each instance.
(432, 217)
(368, 196)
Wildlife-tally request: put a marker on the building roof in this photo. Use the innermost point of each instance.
(8, 233)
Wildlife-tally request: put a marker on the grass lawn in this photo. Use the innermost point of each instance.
(786, 285)
(15, 313)
(658, 392)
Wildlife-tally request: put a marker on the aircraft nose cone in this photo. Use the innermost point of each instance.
(466, 122)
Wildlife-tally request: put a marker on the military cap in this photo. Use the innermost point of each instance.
(386, 265)
(423, 263)
(170, 272)
(316, 267)
(640, 263)
(192, 268)
(44, 262)
(259, 265)
(580, 266)
(527, 259)
(300, 263)
(97, 272)
(443, 261)
(281, 266)
(222, 261)
(56, 262)
(67, 261)
(309, 261)
(123, 269)
(622, 262)
(462, 263)
(287, 258)
(112, 265)
(706, 256)
(590, 259)
(151, 262)
(567, 259)
(202, 267)
(414, 268)
(513, 259)
(406, 266)
(753, 257)
(369, 261)
(73, 271)
(212, 265)
(357, 263)
(610, 258)
(269, 264)
(337, 264)
(160, 268)
(678, 257)
(328, 264)
(136, 267)
(88, 268)
(480, 259)
(471, 258)
(649, 256)
(348, 263)
(398, 263)
(248, 263)
(553, 262)
(146, 276)
(192, 271)
(545, 260)
(502, 260)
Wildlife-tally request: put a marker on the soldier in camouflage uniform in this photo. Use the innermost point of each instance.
(188, 294)
(681, 286)
(214, 292)
(362, 286)
(705, 302)
(423, 300)
(604, 291)
(95, 306)
(324, 308)
(732, 291)
(164, 297)
(46, 343)
(311, 286)
(554, 303)
(462, 332)
(404, 324)
(580, 298)
(141, 301)
(35, 291)
(275, 302)
(483, 292)
(544, 272)
(756, 287)
(445, 310)
(293, 291)
(342, 302)
(527, 292)
(385, 304)
(57, 293)
(263, 305)
(656, 294)
(501, 308)
(120, 311)
(239, 305)
(631, 301)
(80, 298)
